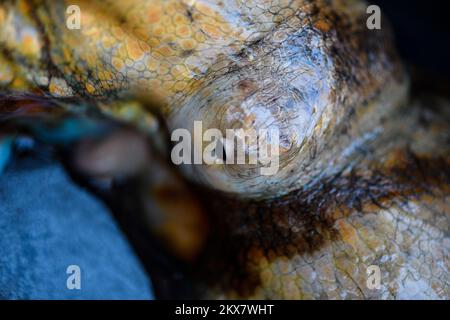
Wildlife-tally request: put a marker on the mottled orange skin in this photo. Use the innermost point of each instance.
(159, 45)
(366, 181)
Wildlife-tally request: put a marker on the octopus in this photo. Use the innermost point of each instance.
(363, 180)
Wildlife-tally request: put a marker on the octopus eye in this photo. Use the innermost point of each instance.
(220, 151)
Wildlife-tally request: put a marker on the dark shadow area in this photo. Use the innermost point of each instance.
(422, 32)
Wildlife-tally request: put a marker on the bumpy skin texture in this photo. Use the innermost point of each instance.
(364, 172)
(389, 210)
(300, 67)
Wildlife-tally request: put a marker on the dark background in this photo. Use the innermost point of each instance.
(422, 30)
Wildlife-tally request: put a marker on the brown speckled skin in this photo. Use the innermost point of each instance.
(365, 170)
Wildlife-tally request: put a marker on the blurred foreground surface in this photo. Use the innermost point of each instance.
(46, 224)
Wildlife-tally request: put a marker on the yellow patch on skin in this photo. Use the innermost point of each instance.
(347, 232)
(213, 31)
(66, 54)
(2, 15)
(168, 85)
(117, 63)
(134, 50)
(90, 88)
(154, 14)
(266, 277)
(30, 46)
(179, 72)
(171, 9)
(204, 9)
(19, 83)
(184, 31)
(107, 42)
(59, 87)
(170, 37)
(158, 31)
(106, 76)
(118, 33)
(24, 7)
(165, 51)
(91, 60)
(180, 19)
(144, 46)
(164, 69)
(167, 21)
(141, 33)
(291, 288)
(54, 89)
(152, 64)
(180, 86)
(187, 44)
(153, 42)
(122, 52)
(92, 32)
(200, 37)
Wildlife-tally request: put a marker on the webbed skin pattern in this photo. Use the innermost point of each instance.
(364, 180)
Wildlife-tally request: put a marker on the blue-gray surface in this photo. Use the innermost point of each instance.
(46, 224)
